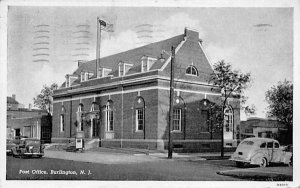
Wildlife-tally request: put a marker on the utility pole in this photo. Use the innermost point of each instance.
(170, 147)
(98, 47)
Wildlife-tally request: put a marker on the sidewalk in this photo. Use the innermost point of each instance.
(96, 157)
(127, 155)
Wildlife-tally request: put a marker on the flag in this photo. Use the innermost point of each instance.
(102, 23)
(106, 26)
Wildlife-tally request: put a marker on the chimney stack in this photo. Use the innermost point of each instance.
(30, 107)
(80, 62)
(14, 96)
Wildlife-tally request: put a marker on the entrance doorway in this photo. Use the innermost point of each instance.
(17, 132)
(95, 128)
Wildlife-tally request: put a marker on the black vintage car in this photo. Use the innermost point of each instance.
(28, 147)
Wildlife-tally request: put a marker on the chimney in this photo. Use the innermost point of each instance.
(191, 34)
(14, 96)
(30, 107)
(80, 62)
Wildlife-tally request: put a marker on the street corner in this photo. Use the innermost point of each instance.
(261, 174)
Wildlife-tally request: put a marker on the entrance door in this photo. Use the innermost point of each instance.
(17, 132)
(94, 128)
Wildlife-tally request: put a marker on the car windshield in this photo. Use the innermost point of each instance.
(30, 142)
(249, 143)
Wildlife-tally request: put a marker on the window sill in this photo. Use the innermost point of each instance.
(139, 131)
(191, 75)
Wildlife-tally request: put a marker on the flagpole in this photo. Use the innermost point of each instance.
(98, 47)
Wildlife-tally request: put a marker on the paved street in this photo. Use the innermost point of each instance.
(122, 164)
(152, 169)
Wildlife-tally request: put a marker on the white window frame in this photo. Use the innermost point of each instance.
(62, 122)
(109, 114)
(192, 67)
(92, 107)
(146, 61)
(104, 72)
(180, 119)
(68, 81)
(121, 69)
(79, 109)
(137, 119)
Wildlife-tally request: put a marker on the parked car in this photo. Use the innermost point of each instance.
(260, 151)
(28, 147)
(9, 144)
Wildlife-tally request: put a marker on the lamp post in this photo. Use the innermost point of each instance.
(170, 146)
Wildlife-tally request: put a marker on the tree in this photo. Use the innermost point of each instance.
(230, 83)
(280, 99)
(44, 100)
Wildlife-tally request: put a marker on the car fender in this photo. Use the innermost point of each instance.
(286, 157)
(256, 159)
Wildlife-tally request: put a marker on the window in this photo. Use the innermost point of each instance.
(121, 69)
(205, 116)
(93, 107)
(276, 144)
(103, 72)
(139, 106)
(79, 114)
(144, 66)
(192, 70)
(62, 123)
(139, 112)
(147, 63)
(177, 119)
(259, 134)
(80, 108)
(109, 117)
(228, 119)
(263, 145)
(86, 76)
(248, 130)
(270, 145)
(68, 81)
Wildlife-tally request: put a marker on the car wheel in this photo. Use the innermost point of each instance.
(239, 164)
(263, 163)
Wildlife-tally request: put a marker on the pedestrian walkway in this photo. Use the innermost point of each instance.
(126, 155)
(97, 157)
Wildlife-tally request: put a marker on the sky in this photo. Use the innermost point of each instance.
(255, 40)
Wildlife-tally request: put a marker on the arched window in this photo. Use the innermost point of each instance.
(94, 107)
(109, 116)
(179, 107)
(80, 108)
(228, 119)
(62, 119)
(139, 114)
(192, 70)
(205, 106)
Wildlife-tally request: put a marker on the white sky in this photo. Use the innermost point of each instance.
(227, 33)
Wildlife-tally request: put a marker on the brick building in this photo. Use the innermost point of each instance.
(127, 105)
(29, 122)
(263, 128)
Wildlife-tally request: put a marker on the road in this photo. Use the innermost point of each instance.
(156, 169)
